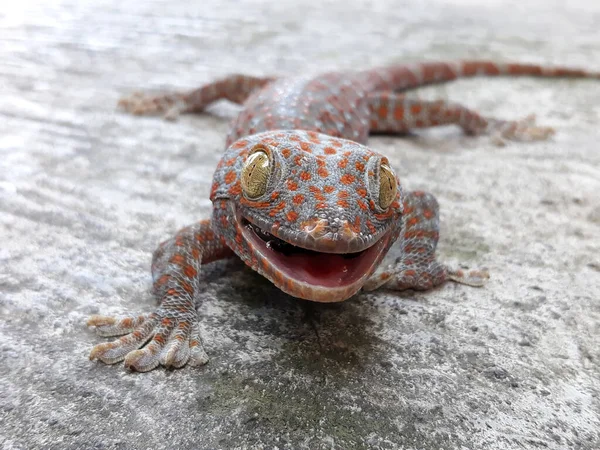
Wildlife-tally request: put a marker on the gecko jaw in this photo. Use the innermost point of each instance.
(321, 276)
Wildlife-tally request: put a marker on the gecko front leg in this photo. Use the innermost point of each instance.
(235, 88)
(171, 331)
(418, 268)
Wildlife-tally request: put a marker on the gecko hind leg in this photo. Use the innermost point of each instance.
(235, 88)
(418, 268)
(395, 113)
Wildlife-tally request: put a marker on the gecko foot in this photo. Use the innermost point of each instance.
(475, 278)
(140, 104)
(519, 130)
(172, 342)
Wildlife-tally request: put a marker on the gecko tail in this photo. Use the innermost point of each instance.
(408, 76)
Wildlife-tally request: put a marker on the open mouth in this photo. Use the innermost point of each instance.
(315, 268)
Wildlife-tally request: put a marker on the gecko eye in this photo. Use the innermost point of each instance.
(387, 186)
(255, 174)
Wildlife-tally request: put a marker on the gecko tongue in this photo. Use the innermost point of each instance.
(313, 267)
(325, 269)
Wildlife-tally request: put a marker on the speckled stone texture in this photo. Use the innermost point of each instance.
(86, 193)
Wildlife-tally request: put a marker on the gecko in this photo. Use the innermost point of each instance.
(301, 199)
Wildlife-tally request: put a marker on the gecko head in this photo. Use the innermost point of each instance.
(312, 213)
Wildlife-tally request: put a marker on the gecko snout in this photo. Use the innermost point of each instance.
(334, 236)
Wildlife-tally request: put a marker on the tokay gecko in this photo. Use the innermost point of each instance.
(301, 199)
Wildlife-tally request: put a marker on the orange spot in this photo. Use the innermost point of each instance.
(382, 112)
(427, 213)
(399, 113)
(362, 205)
(343, 203)
(230, 177)
(330, 151)
(356, 225)
(314, 137)
(235, 189)
(371, 227)
(292, 185)
(420, 234)
(286, 152)
(213, 190)
(336, 143)
(306, 147)
(412, 221)
(343, 194)
(298, 199)
(240, 144)
(177, 259)
(343, 163)
(347, 178)
(359, 166)
(189, 271)
(274, 195)
(321, 205)
(195, 253)
(362, 192)
(416, 108)
(323, 173)
(305, 176)
(328, 189)
(277, 209)
(292, 216)
(187, 288)
(163, 280)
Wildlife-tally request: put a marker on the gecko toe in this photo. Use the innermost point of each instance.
(115, 351)
(476, 278)
(111, 326)
(198, 356)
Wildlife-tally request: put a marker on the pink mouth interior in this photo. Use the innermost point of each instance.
(311, 267)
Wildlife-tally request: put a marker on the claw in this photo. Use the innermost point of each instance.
(198, 356)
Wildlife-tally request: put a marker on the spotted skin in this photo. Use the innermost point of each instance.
(321, 194)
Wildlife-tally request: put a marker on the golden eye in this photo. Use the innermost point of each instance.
(255, 174)
(387, 186)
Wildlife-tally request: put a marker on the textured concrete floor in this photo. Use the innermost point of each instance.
(86, 193)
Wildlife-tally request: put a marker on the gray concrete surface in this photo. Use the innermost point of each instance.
(86, 193)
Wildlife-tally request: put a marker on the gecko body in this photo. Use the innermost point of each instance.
(301, 199)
